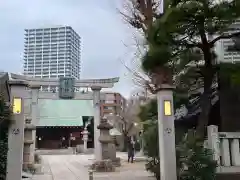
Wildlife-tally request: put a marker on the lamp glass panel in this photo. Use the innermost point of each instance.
(167, 108)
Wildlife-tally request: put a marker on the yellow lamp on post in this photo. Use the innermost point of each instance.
(167, 107)
(17, 105)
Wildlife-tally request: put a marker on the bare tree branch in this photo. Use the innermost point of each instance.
(140, 13)
(229, 36)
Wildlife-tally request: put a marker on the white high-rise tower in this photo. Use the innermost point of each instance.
(52, 52)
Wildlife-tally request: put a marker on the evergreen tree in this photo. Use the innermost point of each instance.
(186, 26)
(3, 154)
(193, 160)
(5, 117)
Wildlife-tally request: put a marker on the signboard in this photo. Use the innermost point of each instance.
(17, 105)
(66, 88)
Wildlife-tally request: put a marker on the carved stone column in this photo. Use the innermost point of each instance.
(97, 116)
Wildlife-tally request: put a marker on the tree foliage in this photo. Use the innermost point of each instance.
(127, 119)
(193, 160)
(5, 117)
(186, 26)
(231, 72)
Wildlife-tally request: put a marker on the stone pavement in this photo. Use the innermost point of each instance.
(75, 167)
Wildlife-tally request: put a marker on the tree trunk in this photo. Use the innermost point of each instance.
(205, 98)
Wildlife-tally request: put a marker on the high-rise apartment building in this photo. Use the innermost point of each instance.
(52, 52)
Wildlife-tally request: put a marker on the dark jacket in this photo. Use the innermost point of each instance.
(130, 149)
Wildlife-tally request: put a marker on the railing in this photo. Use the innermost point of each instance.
(225, 146)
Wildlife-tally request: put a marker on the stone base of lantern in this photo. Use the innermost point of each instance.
(116, 162)
(103, 166)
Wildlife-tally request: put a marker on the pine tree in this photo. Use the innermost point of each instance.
(188, 25)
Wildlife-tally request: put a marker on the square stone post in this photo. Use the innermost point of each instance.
(214, 142)
(16, 132)
(166, 130)
(34, 117)
(97, 117)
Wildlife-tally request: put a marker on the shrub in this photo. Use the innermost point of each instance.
(194, 161)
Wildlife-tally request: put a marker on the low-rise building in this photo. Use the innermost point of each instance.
(112, 103)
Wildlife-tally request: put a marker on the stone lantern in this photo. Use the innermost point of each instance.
(105, 164)
(105, 137)
(85, 139)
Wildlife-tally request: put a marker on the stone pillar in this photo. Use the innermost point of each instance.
(34, 117)
(28, 141)
(166, 130)
(85, 139)
(16, 132)
(214, 142)
(97, 116)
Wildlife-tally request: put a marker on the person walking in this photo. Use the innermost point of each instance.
(130, 150)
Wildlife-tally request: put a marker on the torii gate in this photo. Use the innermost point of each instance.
(19, 88)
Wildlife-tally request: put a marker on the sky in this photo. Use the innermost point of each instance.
(107, 41)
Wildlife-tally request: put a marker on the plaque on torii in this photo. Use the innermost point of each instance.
(66, 87)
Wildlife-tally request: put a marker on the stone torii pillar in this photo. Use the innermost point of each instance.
(34, 117)
(97, 117)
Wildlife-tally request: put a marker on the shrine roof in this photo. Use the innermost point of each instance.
(63, 112)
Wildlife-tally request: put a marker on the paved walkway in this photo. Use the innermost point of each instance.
(75, 167)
